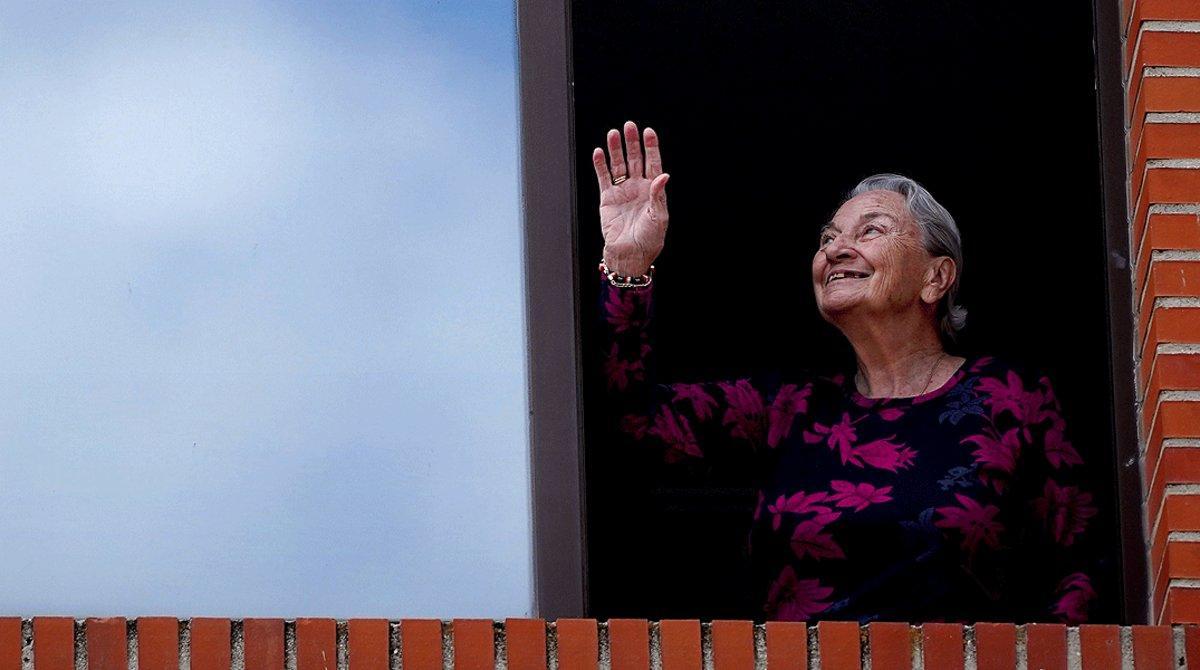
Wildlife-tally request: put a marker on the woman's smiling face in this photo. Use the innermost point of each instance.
(870, 259)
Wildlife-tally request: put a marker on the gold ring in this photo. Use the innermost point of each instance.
(620, 179)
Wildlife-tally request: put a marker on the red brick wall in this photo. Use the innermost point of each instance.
(1162, 94)
(159, 643)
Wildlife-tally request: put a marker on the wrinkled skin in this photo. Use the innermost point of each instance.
(874, 234)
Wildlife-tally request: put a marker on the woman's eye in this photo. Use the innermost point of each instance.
(870, 230)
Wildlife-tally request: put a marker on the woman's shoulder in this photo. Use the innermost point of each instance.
(1015, 392)
(1007, 371)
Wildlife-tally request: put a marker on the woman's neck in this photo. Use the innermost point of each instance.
(897, 358)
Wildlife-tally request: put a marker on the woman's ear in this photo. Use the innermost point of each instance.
(938, 279)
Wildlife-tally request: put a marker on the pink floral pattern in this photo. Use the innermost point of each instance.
(794, 599)
(1074, 593)
(995, 455)
(676, 432)
(858, 495)
(1065, 511)
(745, 413)
(976, 523)
(789, 401)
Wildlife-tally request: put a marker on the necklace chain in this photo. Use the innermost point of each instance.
(928, 380)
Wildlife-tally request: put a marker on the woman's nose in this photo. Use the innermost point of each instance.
(839, 248)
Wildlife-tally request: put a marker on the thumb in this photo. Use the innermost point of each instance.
(658, 191)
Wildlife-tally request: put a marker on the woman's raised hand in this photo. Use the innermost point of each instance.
(633, 210)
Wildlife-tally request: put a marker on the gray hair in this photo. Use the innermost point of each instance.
(939, 233)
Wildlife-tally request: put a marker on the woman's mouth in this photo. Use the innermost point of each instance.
(845, 274)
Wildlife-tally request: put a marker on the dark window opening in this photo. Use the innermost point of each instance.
(768, 113)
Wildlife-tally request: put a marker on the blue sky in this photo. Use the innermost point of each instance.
(260, 354)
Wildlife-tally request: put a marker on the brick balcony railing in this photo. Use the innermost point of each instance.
(161, 643)
(1162, 103)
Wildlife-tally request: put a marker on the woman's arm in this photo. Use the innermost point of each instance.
(684, 419)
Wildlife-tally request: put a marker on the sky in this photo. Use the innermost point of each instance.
(263, 348)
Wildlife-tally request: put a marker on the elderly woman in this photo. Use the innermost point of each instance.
(924, 486)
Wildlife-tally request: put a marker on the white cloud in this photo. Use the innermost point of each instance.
(250, 260)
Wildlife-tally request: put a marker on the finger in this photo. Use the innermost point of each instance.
(653, 155)
(658, 198)
(633, 149)
(601, 166)
(616, 156)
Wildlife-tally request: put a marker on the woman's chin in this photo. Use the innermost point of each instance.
(839, 305)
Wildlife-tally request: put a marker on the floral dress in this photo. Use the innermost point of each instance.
(960, 504)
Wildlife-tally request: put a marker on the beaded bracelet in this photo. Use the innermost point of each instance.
(627, 282)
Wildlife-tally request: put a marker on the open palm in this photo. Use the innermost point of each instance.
(633, 210)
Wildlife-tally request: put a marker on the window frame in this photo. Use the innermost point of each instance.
(553, 297)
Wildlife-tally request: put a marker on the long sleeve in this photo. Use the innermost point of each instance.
(687, 421)
(1053, 571)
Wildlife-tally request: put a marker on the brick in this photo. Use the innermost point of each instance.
(1153, 648)
(1191, 645)
(995, 646)
(1183, 605)
(10, 643)
(1046, 646)
(629, 644)
(787, 645)
(1163, 49)
(1164, 10)
(1178, 324)
(1155, 10)
(1179, 418)
(316, 644)
(943, 645)
(733, 645)
(578, 644)
(1140, 208)
(1173, 185)
(53, 643)
(210, 644)
(474, 644)
(106, 645)
(1167, 325)
(1171, 279)
(1167, 10)
(1158, 595)
(525, 644)
(839, 645)
(1178, 465)
(1181, 512)
(1162, 141)
(1158, 546)
(1165, 231)
(1171, 465)
(158, 643)
(891, 645)
(1100, 646)
(1162, 94)
(367, 642)
(679, 640)
(1149, 410)
(421, 643)
(1174, 372)
(1148, 330)
(263, 643)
